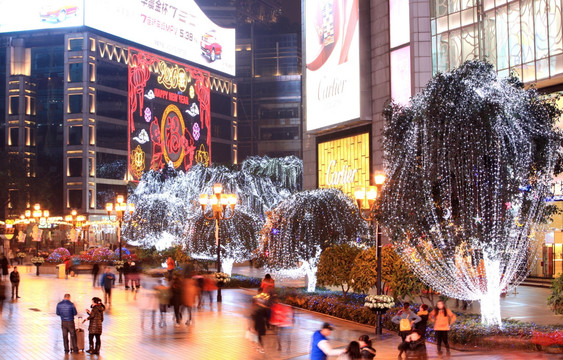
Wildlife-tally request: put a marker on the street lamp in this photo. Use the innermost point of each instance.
(76, 221)
(36, 215)
(120, 207)
(370, 194)
(219, 203)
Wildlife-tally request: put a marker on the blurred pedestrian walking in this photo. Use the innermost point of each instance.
(96, 317)
(367, 352)
(176, 297)
(148, 304)
(106, 282)
(67, 311)
(3, 288)
(170, 265)
(268, 284)
(163, 301)
(189, 296)
(320, 347)
(259, 318)
(95, 272)
(283, 318)
(3, 266)
(352, 352)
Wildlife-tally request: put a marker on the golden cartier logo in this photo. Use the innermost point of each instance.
(172, 77)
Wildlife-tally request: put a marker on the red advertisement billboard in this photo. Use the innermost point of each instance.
(169, 114)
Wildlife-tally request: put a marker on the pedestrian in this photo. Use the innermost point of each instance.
(422, 324)
(106, 282)
(15, 280)
(95, 272)
(405, 318)
(259, 318)
(367, 352)
(209, 285)
(11, 257)
(176, 298)
(126, 273)
(134, 276)
(68, 267)
(4, 266)
(170, 265)
(414, 346)
(149, 303)
(96, 317)
(442, 318)
(282, 317)
(189, 295)
(352, 352)
(2, 294)
(320, 347)
(67, 311)
(163, 301)
(268, 284)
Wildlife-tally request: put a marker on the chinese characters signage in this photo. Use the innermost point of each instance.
(344, 163)
(169, 116)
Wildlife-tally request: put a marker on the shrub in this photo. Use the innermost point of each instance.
(335, 267)
(240, 281)
(555, 300)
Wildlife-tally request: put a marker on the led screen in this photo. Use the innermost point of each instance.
(169, 118)
(40, 14)
(332, 62)
(175, 27)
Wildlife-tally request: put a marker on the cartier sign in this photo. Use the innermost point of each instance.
(344, 163)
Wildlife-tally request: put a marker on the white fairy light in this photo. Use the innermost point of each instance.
(469, 163)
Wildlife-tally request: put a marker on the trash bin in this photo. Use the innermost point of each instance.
(60, 270)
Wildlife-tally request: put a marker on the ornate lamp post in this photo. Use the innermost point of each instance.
(120, 207)
(76, 221)
(219, 202)
(36, 216)
(370, 194)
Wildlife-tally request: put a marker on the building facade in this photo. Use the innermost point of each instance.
(66, 96)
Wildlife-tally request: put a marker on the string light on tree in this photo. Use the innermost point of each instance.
(470, 162)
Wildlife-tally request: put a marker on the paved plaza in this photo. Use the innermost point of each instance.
(30, 329)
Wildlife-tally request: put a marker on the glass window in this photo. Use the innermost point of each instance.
(111, 135)
(74, 167)
(111, 105)
(14, 137)
(400, 22)
(221, 104)
(111, 74)
(75, 104)
(75, 199)
(75, 44)
(221, 128)
(111, 166)
(75, 135)
(221, 153)
(75, 72)
(14, 105)
(106, 193)
(285, 133)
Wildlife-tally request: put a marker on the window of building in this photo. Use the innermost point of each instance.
(111, 105)
(75, 199)
(221, 128)
(106, 193)
(75, 44)
(75, 135)
(111, 74)
(74, 167)
(221, 153)
(75, 72)
(75, 103)
(14, 108)
(221, 104)
(401, 74)
(285, 133)
(14, 138)
(111, 166)
(111, 135)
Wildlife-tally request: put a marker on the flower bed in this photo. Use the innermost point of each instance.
(467, 332)
(241, 281)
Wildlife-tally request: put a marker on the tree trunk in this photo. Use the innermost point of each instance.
(490, 309)
(311, 272)
(228, 266)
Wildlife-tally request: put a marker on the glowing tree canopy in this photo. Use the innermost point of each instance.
(302, 226)
(239, 237)
(470, 162)
(167, 201)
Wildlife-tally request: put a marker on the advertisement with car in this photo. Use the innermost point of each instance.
(175, 27)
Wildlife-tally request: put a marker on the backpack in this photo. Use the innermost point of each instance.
(405, 325)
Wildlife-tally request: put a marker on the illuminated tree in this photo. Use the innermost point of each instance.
(239, 237)
(469, 165)
(302, 226)
(335, 266)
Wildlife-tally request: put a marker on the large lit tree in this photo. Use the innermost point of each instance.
(302, 226)
(470, 162)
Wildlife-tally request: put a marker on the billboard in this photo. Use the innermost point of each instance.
(344, 163)
(176, 27)
(40, 14)
(332, 62)
(169, 114)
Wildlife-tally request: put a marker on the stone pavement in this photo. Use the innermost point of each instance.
(30, 329)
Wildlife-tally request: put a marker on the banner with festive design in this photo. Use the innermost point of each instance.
(169, 114)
